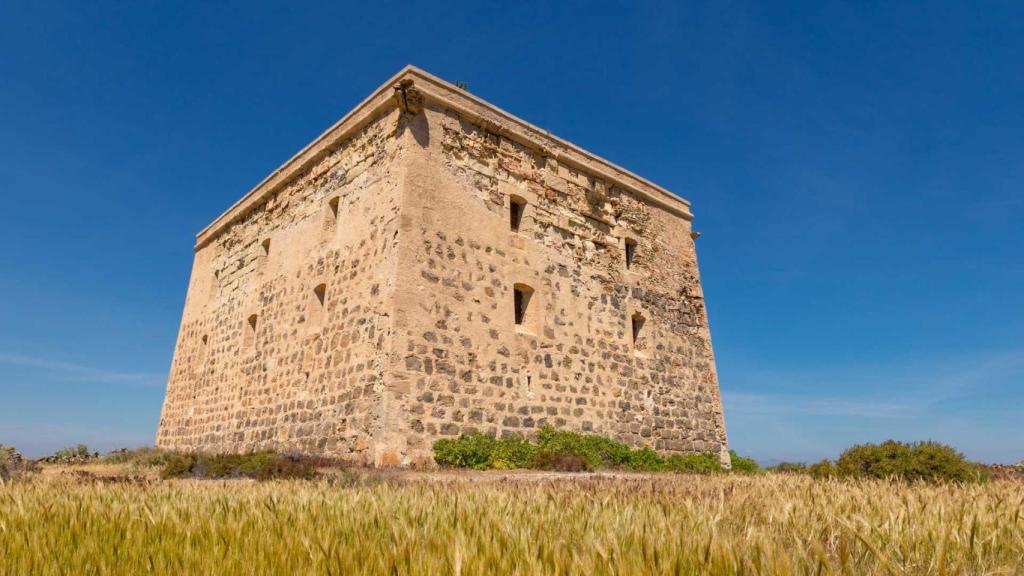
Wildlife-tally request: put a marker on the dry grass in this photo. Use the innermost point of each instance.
(509, 524)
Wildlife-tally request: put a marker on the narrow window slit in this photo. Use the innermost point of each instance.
(331, 214)
(516, 207)
(250, 332)
(315, 308)
(521, 302)
(215, 285)
(320, 292)
(630, 252)
(637, 322)
(202, 350)
(520, 307)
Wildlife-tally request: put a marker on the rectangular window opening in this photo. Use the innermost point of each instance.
(215, 285)
(266, 247)
(630, 252)
(315, 308)
(637, 326)
(250, 332)
(521, 295)
(320, 292)
(516, 208)
(520, 307)
(331, 214)
(202, 350)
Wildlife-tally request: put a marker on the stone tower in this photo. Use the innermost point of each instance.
(432, 265)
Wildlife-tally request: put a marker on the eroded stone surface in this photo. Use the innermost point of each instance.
(384, 314)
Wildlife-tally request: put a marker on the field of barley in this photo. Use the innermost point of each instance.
(480, 523)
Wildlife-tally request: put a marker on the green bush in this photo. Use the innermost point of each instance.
(560, 462)
(466, 451)
(646, 460)
(77, 454)
(258, 465)
(178, 465)
(918, 461)
(823, 470)
(483, 452)
(145, 456)
(913, 462)
(743, 464)
(279, 467)
(789, 468)
(596, 451)
(512, 452)
(569, 451)
(694, 463)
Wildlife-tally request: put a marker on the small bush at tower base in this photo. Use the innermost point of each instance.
(570, 452)
(913, 462)
(257, 465)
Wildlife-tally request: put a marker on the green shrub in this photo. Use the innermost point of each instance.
(789, 468)
(568, 451)
(258, 465)
(561, 462)
(694, 463)
(919, 461)
(483, 452)
(596, 451)
(823, 470)
(145, 456)
(646, 460)
(282, 467)
(178, 465)
(77, 454)
(743, 464)
(466, 451)
(512, 452)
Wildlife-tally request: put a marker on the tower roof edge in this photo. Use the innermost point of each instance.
(440, 91)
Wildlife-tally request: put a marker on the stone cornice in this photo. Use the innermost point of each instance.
(476, 110)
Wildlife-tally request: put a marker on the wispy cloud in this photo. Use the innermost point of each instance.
(877, 391)
(973, 401)
(72, 372)
(746, 404)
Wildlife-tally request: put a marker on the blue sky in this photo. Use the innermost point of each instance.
(856, 170)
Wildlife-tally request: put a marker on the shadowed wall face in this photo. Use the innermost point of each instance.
(292, 303)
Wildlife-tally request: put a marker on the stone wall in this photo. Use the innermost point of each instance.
(463, 365)
(359, 302)
(309, 377)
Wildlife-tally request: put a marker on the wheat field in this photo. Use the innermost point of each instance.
(510, 524)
